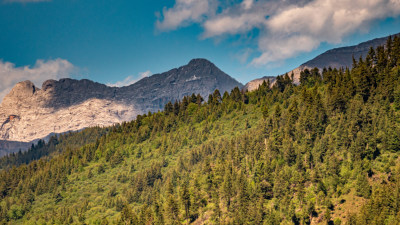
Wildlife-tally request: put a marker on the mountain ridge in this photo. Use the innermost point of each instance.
(341, 57)
(29, 113)
(330, 58)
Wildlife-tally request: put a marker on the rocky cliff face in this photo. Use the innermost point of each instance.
(334, 58)
(29, 113)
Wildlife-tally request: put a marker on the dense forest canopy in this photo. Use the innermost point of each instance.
(323, 152)
(54, 145)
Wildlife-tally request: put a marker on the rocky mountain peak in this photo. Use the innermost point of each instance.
(72, 84)
(200, 62)
(48, 84)
(202, 67)
(67, 104)
(22, 90)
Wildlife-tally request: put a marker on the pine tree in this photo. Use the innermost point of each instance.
(176, 108)
(186, 201)
(168, 108)
(362, 186)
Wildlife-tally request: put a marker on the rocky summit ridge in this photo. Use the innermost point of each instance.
(29, 113)
(335, 58)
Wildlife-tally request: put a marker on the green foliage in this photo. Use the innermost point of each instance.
(55, 145)
(326, 150)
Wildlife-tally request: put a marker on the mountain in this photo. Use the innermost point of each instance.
(334, 58)
(324, 152)
(200, 77)
(29, 113)
(254, 84)
(342, 57)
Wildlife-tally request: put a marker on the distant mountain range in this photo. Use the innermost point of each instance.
(29, 113)
(334, 58)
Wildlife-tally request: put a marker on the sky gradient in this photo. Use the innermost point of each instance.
(119, 42)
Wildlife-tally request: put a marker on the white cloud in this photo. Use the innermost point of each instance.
(24, 1)
(232, 24)
(184, 12)
(299, 29)
(130, 79)
(41, 71)
(286, 28)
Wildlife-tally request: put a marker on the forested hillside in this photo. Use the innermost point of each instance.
(54, 145)
(323, 152)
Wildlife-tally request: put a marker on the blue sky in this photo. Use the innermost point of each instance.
(108, 41)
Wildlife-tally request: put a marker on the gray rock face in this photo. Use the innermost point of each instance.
(342, 57)
(28, 113)
(334, 58)
(199, 76)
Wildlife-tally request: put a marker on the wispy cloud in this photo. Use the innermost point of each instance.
(286, 28)
(243, 55)
(24, 1)
(130, 80)
(184, 13)
(41, 71)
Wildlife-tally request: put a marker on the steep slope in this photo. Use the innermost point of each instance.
(323, 152)
(342, 57)
(334, 58)
(200, 77)
(339, 57)
(28, 113)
